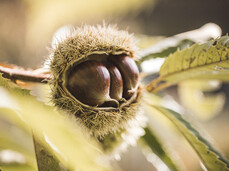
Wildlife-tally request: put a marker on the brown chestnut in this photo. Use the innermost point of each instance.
(116, 83)
(89, 82)
(129, 72)
(103, 82)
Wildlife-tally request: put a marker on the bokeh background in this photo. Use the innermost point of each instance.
(27, 27)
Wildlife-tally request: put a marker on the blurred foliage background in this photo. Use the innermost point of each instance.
(27, 27)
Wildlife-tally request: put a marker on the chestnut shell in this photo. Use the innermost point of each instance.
(103, 80)
(89, 82)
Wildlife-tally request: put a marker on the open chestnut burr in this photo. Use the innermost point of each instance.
(106, 82)
(95, 78)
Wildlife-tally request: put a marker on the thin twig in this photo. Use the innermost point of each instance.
(152, 85)
(160, 87)
(17, 73)
(155, 85)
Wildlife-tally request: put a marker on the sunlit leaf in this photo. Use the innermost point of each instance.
(14, 136)
(196, 96)
(211, 158)
(57, 132)
(153, 52)
(150, 140)
(16, 167)
(180, 41)
(206, 61)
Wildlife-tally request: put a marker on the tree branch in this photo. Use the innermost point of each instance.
(156, 85)
(14, 73)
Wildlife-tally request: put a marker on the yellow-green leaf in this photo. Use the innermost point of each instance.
(150, 140)
(206, 61)
(211, 158)
(16, 167)
(194, 96)
(13, 136)
(155, 52)
(56, 131)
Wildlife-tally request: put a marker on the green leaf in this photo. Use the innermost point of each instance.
(14, 137)
(56, 131)
(165, 50)
(171, 44)
(206, 61)
(150, 140)
(16, 167)
(196, 96)
(211, 158)
(12, 87)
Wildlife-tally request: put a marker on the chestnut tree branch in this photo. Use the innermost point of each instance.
(153, 84)
(17, 73)
(159, 87)
(156, 86)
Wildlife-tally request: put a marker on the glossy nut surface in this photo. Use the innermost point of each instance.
(104, 81)
(116, 83)
(129, 72)
(89, 82)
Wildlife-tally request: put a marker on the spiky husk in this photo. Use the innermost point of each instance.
(114, 144)
(80, 44)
